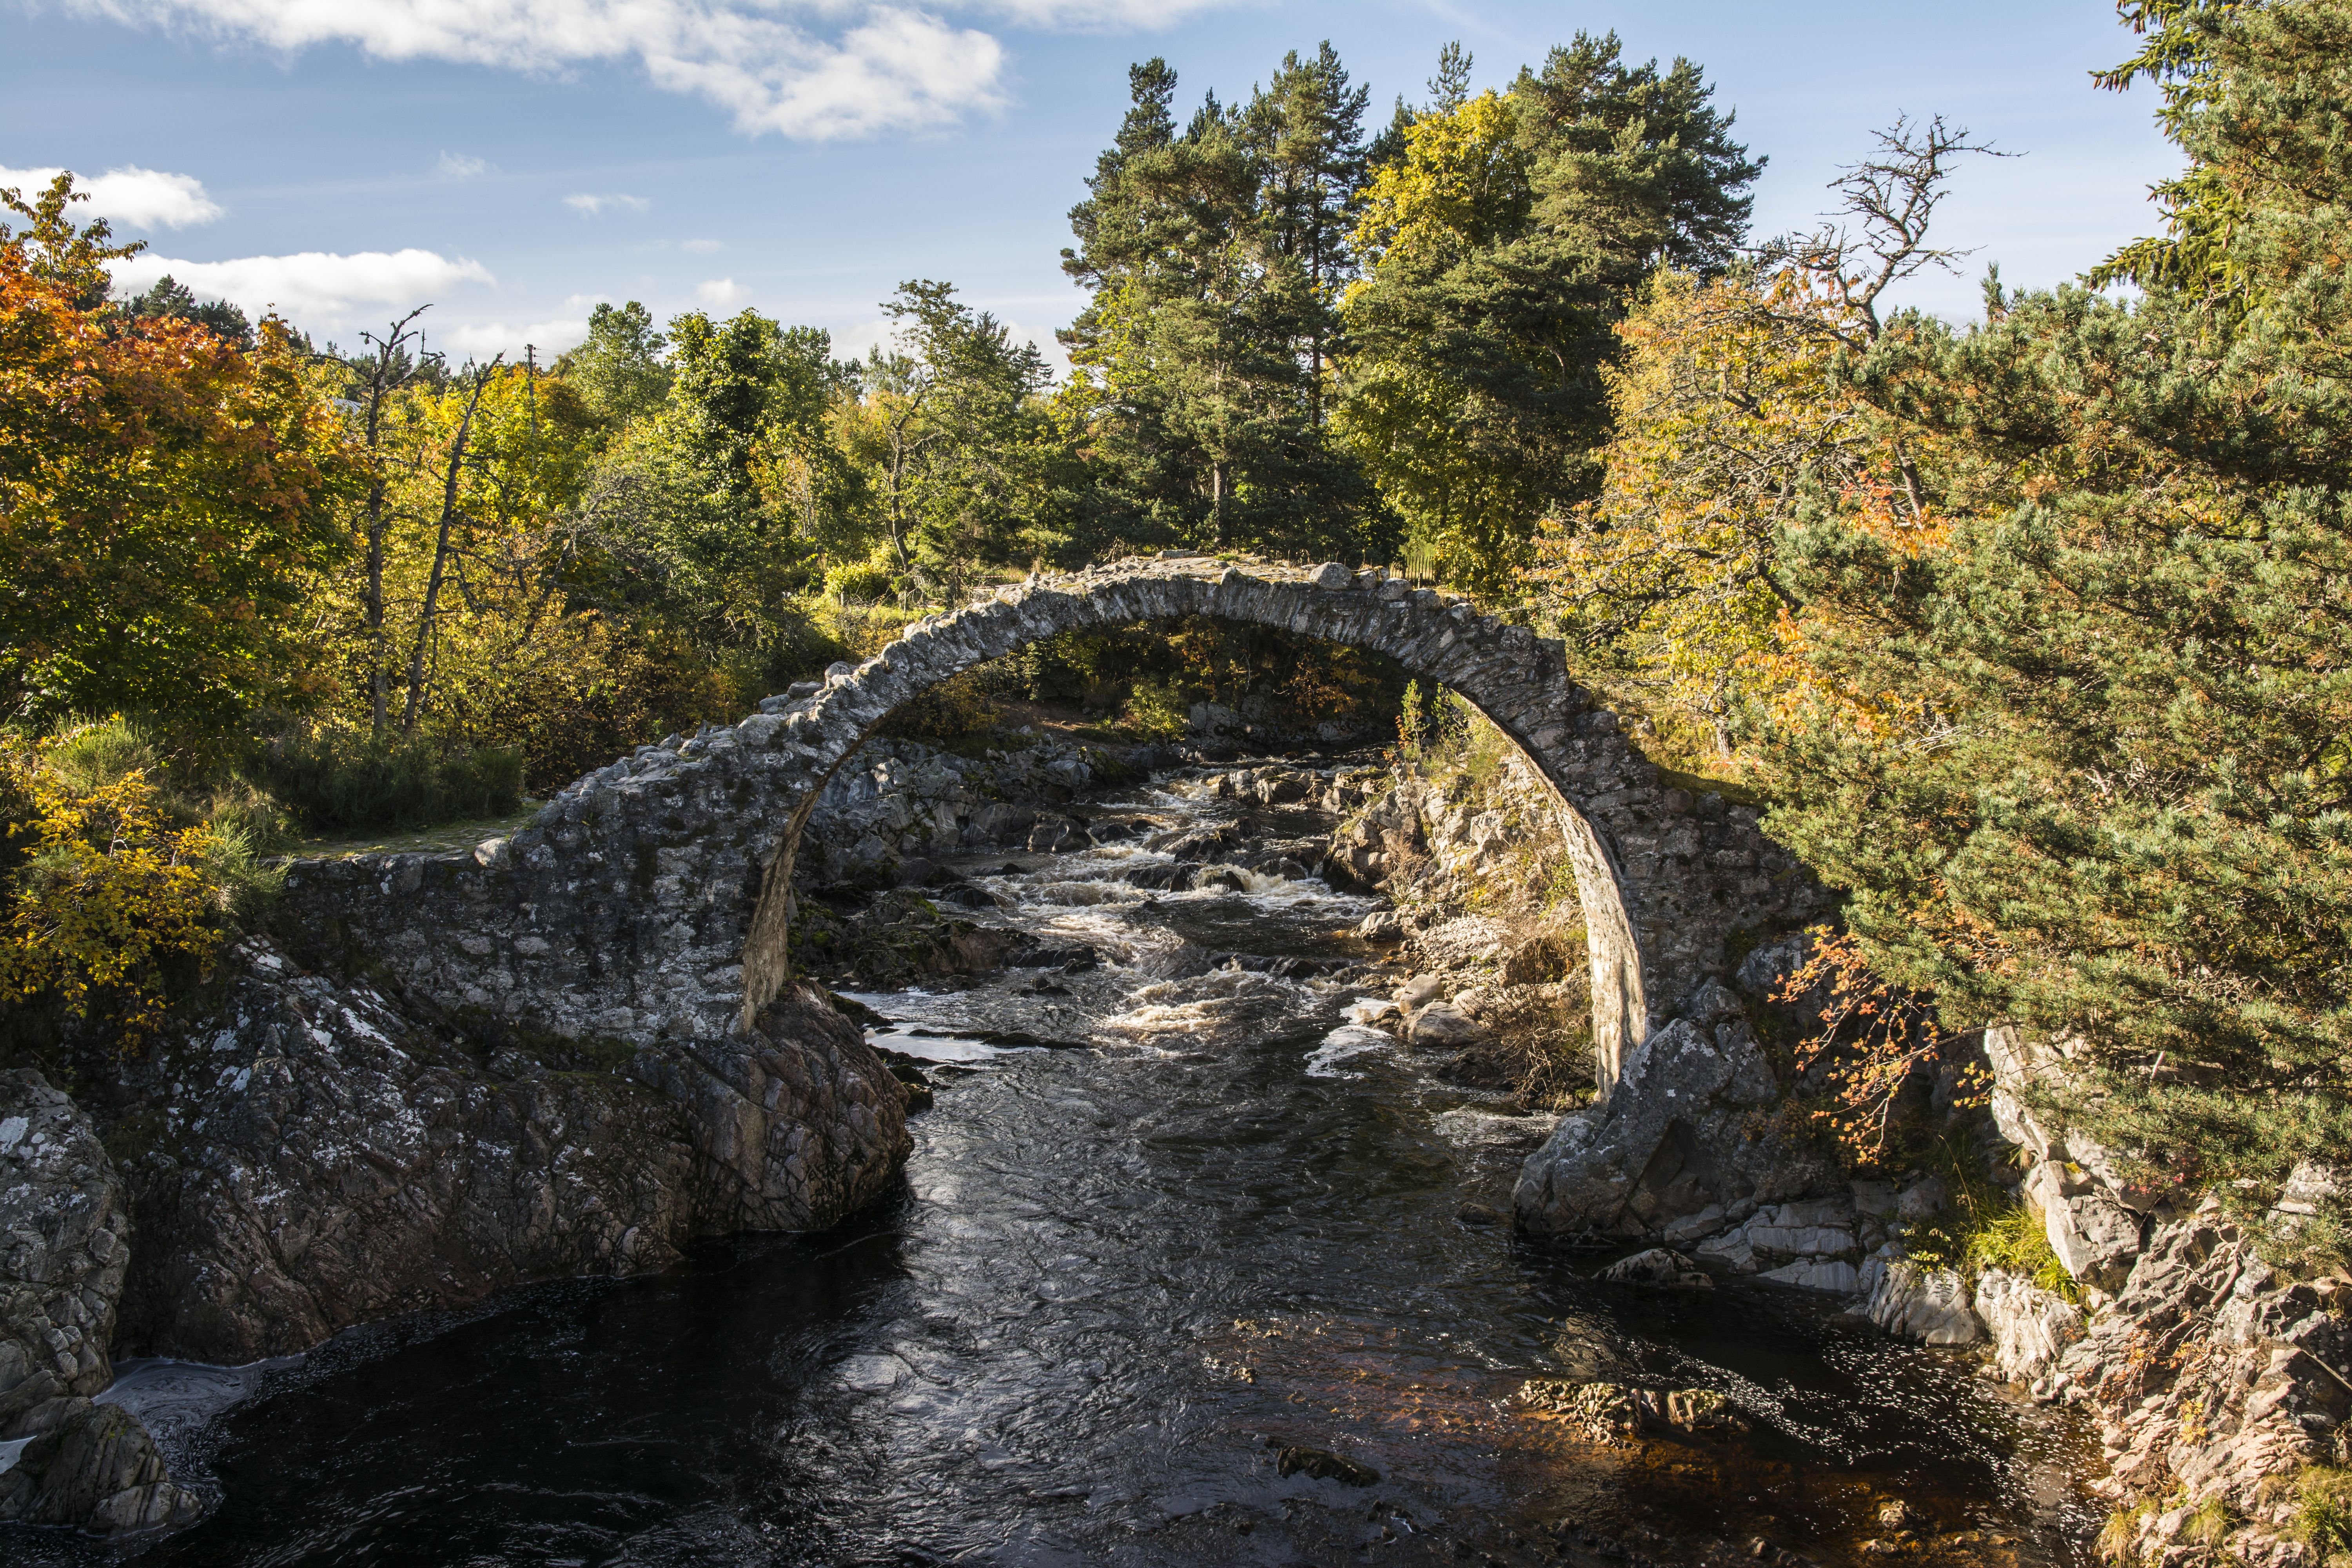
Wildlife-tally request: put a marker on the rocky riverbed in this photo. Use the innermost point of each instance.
(1265, 1056)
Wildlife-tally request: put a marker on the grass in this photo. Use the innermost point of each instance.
(1986, 1225)
(2322, 1515)
(2013, 1239)
(440, 839)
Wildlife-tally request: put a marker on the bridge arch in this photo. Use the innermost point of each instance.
(650, 901)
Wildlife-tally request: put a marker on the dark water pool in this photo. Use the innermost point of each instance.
(1118, 1281)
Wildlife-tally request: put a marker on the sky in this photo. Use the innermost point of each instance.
(513, 162)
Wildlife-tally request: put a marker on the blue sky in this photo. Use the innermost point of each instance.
(515, 161)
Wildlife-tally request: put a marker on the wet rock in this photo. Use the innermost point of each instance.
(1419, 991)
(1658, 1265)
(1324, 1466)
(1729, 1252)
(1202, 844)
(1834, 1275)
(1929, 1305)
(354, 1162)
(1478, 1213)
(920, 1095)
(1677, 1135)
(1442, 1026)
(1160, 878)
(98, 1471)
(1382, 926)
(1609, 1411)
(1815, 1227)
(1691, 1227)
(65, 1233)
(1058, 836)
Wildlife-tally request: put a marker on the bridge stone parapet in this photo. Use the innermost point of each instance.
(651, 900)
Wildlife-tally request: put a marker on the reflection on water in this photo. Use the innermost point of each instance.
(1120, 1284)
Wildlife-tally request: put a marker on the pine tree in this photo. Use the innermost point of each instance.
(2084, 763)
(1505, 243)
(1211, 255)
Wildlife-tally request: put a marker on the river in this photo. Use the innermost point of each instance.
(1174, 1220)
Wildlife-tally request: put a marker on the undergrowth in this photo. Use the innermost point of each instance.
(2322, 1515)
(333, 781)
(1985, 1224)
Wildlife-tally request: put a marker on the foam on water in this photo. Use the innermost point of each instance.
(1085, 893)
(1468, 1126)
(1346, 1040)
(940, 1047)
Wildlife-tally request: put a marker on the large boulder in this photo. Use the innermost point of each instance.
(797, 1117)
(1916, 1302)
(64, 1243)
(326, 1159)
(1679, 1135)
(96, 1470)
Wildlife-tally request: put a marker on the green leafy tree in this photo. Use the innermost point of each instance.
(1505, 240)
(965, 465)
(618, 371)
(707, 512)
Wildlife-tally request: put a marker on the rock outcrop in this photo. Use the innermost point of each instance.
(96, 1470)
(325, 1159)
(1916, 1302)
(65, 1230)
(1685, 1139)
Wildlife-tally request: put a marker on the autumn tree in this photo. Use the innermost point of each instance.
(1734, 420)
(1504, 241)
(163, 496)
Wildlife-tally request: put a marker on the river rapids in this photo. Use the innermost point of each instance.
(1177, 1219)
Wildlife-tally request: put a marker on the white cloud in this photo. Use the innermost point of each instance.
(721, 292)
(588, 205)
(144, 198)
(1102, 16)
(894, 69)
(459, 166)
(701, 247)
(580, 301)
(482, 339)
(313, 285)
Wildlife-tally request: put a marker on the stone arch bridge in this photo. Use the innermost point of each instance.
(650, 901)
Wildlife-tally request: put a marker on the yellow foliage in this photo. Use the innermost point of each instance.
(100, 891)
(1462, 178)
(1728, 411)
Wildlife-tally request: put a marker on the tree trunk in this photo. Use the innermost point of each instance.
(440, 555)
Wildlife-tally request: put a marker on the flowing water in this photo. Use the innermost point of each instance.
(1172, 1216)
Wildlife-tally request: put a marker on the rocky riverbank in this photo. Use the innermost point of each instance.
(319, 1147)
(2215, 1381)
